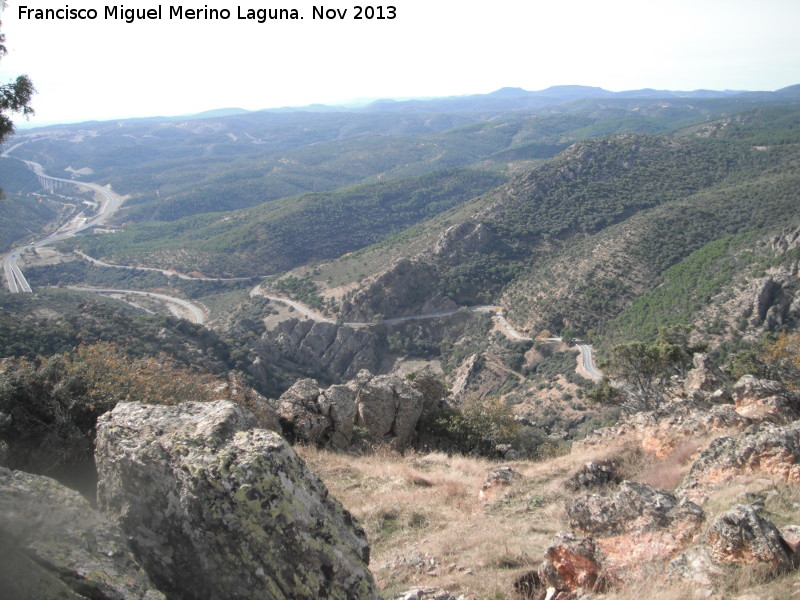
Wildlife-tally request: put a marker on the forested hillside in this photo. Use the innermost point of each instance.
(572, 243)
(591, 216)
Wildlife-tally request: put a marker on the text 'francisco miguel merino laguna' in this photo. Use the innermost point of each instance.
(261, 15)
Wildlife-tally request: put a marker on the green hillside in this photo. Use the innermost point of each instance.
(281, 235)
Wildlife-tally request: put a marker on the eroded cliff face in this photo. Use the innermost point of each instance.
(323, 351)
(408, 287)
(387, 408)
(216, 507)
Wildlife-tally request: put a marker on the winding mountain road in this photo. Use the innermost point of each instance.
(111, 202)
(587, 360)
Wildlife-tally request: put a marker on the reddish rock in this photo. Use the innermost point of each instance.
(572, 564)
(743, 536)
(766, 448)
(764, 400)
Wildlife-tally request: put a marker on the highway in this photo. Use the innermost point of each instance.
(16, 280)
(110, 203)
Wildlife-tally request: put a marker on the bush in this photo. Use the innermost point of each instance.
(50, 407)
(475, 428)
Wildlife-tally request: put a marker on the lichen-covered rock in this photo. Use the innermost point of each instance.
(217, 508)
(743, 536)
(766, 448)
(54, 545)
(593, 475)
(740, 536)
(764, 400)
(635, 507)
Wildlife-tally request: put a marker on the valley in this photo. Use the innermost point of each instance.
(578, 292)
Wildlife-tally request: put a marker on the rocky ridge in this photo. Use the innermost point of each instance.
(631, 530)
(386, 408)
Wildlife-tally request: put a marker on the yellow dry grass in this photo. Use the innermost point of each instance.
(428, 525)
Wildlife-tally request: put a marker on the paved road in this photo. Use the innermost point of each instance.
(166, 272)
(588, 361)
(185, 307)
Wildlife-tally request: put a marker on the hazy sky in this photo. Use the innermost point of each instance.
(105, 68)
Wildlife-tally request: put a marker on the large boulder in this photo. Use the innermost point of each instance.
(217, 508)
(740, 536)
(765, 400)
(388, 407)
(767, 449)
(634, 507)
(53, 544)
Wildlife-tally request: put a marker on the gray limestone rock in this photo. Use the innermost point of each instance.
(54, 545)
(387, 407)
(217, 508)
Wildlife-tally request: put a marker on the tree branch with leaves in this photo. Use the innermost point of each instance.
(15, 96)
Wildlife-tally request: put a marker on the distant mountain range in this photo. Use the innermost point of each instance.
(515, 98)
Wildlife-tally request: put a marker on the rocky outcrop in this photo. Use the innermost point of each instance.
(54, 545)
(314, 415)
(766, 448)
(635, 507)
(704, 378)
(407, 287)
(667, 428)
(217, 508)
(593, 475)
(320, 350)
(740, 536)
(462, 240)
(387, 408)
(764, 400)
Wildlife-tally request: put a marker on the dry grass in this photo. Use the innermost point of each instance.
(743, 583)
(667, 473)
(428, 526)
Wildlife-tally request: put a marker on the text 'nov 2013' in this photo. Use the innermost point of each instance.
(206, 13)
